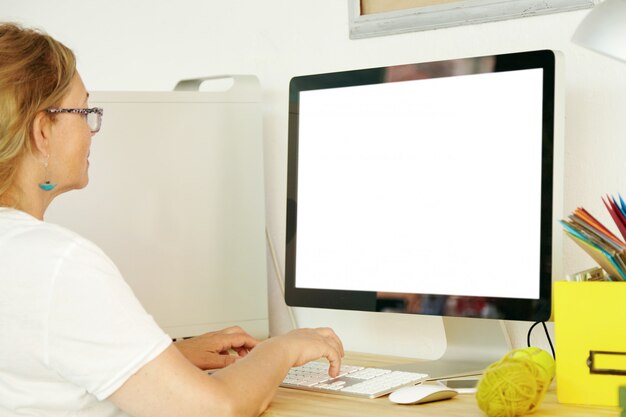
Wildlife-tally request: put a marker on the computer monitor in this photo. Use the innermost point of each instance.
(425, 188)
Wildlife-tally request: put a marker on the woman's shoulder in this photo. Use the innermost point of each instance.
(22, 227)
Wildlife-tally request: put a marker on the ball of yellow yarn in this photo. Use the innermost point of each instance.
(515, 385)
(539, 356)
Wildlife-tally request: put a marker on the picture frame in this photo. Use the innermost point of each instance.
(446, 13)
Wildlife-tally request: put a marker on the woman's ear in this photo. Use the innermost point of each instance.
(41, 133)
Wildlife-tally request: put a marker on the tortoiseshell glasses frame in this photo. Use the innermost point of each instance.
(92, 115)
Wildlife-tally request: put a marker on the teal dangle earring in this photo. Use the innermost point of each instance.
(46, 185)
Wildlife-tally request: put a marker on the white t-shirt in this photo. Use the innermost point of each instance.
(71, 330)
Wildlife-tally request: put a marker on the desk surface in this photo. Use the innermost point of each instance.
(298, 403)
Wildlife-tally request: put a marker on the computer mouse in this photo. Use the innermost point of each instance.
(422, 393)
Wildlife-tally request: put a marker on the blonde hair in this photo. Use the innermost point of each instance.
(35, 73)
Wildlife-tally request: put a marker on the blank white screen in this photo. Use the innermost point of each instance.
(427, 186)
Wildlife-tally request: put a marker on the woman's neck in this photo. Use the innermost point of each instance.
(27, 197)
(25, 194)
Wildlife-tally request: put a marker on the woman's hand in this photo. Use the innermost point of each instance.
(177, 387)
(306, 345)
(217, 349)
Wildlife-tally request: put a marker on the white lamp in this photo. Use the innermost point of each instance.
(604, 29)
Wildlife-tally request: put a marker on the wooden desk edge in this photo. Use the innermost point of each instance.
(299, 403)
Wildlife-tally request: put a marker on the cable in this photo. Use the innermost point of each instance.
(279, 278)
(545, 328)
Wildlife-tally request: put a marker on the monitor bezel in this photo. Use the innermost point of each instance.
(517, 308)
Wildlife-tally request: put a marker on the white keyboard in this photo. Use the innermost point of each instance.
(352, 380)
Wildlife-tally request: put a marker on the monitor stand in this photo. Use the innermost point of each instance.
(472, 345)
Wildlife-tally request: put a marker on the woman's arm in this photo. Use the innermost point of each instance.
(170, 385)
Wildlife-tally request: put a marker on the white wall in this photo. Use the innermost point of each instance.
(149, 45)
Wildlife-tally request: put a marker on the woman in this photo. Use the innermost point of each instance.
(75, 340)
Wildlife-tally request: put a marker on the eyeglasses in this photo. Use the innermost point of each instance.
(92, 115)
